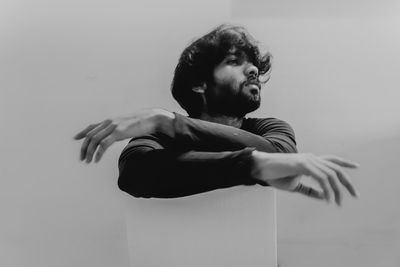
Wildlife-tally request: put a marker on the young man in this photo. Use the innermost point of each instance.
(217, 81)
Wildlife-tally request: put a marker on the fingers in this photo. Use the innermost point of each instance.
(320, 177)
(309, 191)
(98, 138)
(328, 172)
(340, 161)
(332, 178)
(89, 136)
(343, 178)
(334, 174)
(104, 144)
(83, 133)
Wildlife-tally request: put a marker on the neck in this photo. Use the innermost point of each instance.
(223, 119)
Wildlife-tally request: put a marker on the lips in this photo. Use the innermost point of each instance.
(254, 84)
(253, 87)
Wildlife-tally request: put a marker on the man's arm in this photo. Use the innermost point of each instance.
(269, 168)
(273, 136)
(196, 156)
(192, 133)
(147, 169)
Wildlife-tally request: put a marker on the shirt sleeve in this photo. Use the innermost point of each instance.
(266, 135)
(147, 169)
(277, 132)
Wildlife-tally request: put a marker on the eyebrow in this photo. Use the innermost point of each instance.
(237, 53)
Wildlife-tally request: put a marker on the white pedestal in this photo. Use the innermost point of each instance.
(222, 228)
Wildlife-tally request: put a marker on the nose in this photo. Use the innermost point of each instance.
(251, 70)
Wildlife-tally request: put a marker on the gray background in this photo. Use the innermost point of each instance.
(65, 64)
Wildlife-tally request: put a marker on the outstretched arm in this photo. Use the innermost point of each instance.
(147, 169)
(272, 135)
(192, 133)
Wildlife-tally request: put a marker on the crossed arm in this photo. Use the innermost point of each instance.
(163, 173)
(201, 156)
(193, 156)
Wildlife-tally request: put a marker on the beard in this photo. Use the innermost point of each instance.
(225, 100)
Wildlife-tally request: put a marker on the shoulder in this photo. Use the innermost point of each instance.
(277, 131)
(262, 126)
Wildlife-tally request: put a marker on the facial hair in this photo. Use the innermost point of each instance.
(225, 100)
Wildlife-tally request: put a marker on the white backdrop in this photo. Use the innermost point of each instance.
(65, 64)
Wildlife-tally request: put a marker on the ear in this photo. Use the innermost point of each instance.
(200, 89)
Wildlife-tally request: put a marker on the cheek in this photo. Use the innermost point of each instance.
(230, 79)
(220, 76)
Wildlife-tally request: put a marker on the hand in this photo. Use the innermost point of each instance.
(284, 171)
(105, 133)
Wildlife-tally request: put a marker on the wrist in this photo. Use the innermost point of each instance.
(163, 120)
(259, 160)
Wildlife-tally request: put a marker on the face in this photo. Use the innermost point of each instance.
(235, 90)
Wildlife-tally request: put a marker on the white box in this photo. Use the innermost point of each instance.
(222, 228)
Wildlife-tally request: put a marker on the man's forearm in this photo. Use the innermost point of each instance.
(203, 135)
(162, 173)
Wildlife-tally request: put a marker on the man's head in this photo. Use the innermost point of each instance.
(220, 72)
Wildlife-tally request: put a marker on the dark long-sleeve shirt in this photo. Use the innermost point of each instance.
(195, 156)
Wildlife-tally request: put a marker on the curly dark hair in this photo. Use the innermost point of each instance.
(198, 60)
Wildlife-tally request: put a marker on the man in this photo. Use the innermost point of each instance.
(217, 81)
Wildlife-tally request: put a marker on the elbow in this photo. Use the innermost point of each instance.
(122, 184)
(137, 173)
(134, 186)
(131, 179)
